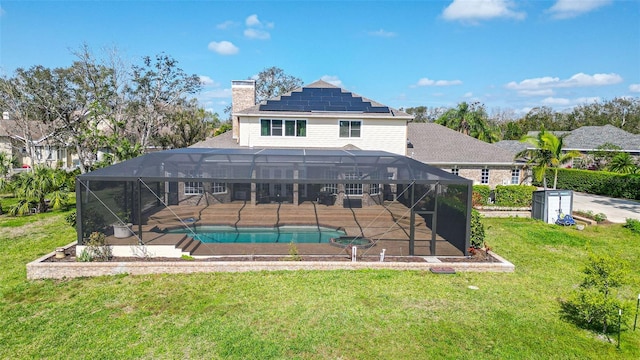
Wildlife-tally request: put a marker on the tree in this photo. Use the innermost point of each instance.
(36, 186)
(224, 127)
(159, 89)
(24, 97)
(273, 81)
(62, 106)
(469, 119)
(425, 114)
(512, 131)
(190, 124)
(594, 304)
(547, 153)
(622, 163)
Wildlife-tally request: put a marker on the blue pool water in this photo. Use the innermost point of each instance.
(248, 235)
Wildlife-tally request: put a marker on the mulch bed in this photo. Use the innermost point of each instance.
(71, 257)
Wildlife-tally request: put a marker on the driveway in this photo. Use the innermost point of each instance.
(616, 210)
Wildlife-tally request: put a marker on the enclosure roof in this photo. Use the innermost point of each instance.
(274, 165)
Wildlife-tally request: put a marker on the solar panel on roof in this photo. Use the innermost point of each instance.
(321, 99)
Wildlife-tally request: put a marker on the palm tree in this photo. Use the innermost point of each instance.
(622, 163)
(547, 153)
(469, 119)
(37, 186)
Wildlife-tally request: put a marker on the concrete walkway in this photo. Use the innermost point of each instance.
(616, 210)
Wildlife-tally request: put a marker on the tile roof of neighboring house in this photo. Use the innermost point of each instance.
(588, 138)
(438, 145)
(222, 141)
(38, 130)
(312, 103)
(513, 146)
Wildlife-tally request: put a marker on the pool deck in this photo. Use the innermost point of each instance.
(388, 227)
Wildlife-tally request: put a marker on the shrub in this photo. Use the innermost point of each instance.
(293, 253)
(617, 185)
(514, 195)
(480, 195)
(633, 225)
(600, 217)
(476, 238)
(594, 305)
(97, 248)
(71, 219)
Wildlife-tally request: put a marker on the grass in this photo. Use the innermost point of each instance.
(312, 314)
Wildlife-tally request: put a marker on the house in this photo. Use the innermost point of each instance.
(32, 145)
(585, 140)
(318, 156)
(463, 155)
(319, 115)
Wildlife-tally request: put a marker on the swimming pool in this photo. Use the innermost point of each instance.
(261, 235)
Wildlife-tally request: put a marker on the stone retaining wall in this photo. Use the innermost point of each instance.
(41, 269)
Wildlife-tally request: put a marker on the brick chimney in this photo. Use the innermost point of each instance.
(243, 96)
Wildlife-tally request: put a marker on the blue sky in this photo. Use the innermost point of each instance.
(508, 55)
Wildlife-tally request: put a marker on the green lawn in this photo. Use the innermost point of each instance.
(312, 314)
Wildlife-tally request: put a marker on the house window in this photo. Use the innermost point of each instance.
(193, 187)
(353, 188)
(455, 171)
(484, 177)
(219, 187)
(515, 176)
(350, 129)
(330, 188)
(374, 189)
(62, 154)
(274, 127)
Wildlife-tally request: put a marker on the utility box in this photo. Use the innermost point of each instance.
(549, 205)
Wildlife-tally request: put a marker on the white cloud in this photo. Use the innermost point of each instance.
(256, 28)
(577, 80)
(207, 81)
(2, 12)
(587, 100)
(538, 92)
(556, 101)
(252, 20)
(332, 79)
(223, 48)
(257, 34)
(225, 25)
(382, 33)
(564, 102)
(634, 87)
(473, 10)
(429, 82)
(468, 95)
(564, 9)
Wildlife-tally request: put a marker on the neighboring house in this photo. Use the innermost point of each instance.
(32, 146)
(319, 115)
(585, 140)
(463, 155)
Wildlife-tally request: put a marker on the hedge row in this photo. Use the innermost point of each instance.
(626, 186)
(514, 195)
(505, 195)
(480, 196)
